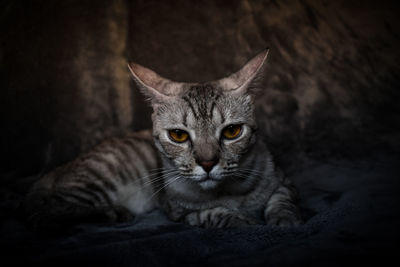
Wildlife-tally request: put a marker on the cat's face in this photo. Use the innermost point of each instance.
(205, 133)
(203, 130)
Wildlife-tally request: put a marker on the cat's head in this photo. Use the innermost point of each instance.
(204, 130)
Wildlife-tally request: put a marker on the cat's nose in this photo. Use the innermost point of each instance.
(208, 164)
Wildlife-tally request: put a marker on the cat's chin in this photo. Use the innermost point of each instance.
(208, 184)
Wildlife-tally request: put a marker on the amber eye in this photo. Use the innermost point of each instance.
(232, 131)
(178, 136)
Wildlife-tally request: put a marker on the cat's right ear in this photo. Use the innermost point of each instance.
(156, 88)
(249, 78)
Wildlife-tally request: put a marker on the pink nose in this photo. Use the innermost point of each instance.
(208, 164)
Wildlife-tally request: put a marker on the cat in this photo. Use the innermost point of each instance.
(202, 163)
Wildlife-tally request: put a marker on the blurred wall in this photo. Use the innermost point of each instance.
(331, 88)
(63, 76)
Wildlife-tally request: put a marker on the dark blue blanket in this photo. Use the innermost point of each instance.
(350, 212)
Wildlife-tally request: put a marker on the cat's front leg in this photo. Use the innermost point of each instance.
(281, 208)
(218, 217)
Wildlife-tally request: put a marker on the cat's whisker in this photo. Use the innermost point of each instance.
(157, 173)
(161, 170)
(150, 184)
(150, 175)
(246, 173)
(164, 186)
(246, 177)
(158, 170)
(239, 176)
(250, 172)
(154, 181)
(160, 178)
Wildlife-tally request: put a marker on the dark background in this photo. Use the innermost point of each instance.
(331, 89)
(332, 78)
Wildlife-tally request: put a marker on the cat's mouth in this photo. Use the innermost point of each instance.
(208, 181)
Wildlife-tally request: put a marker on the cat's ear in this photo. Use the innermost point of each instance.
(156, 88)
(248, 78)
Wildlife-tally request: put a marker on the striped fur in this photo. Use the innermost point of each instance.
(124, 177)
(112, 182)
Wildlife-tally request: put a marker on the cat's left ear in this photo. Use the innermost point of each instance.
(248, 78)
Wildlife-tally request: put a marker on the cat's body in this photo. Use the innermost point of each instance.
(206, 167)
(112, 182)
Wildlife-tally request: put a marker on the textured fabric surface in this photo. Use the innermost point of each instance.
(349, 211)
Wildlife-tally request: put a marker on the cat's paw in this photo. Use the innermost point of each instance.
(218, 217)
(119, 214)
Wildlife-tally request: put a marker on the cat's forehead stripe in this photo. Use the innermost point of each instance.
(188, 101)
(201, 99)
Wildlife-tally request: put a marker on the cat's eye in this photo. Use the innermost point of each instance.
(231, 131)
(178, 136)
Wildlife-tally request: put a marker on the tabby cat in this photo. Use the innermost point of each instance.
(202, 164)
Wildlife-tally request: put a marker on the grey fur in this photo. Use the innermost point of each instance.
(122, 177)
